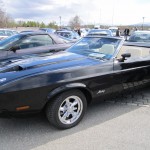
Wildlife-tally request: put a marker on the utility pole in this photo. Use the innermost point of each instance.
(100, 17)
(60, 21)
(143, 23)
(113, 17)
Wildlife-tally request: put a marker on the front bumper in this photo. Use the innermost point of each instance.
(7, 114)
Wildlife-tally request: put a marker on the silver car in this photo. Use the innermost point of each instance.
(140, 36)
(4, 33)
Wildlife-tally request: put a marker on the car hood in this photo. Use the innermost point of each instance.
(52, 61)
(138, 44)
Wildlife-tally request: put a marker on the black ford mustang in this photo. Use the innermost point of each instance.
(65, 82)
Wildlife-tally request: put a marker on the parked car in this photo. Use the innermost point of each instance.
(137, 44)
(100, 32)
(113, 30)
(140, 36)
(67, 40)
(83, 32)
(24, 31)
(4, 33)
(97, 27)
(63, 83)
(68, 34)
(47, 30)
(31, 43)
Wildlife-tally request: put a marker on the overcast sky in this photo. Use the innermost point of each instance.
(90, 11)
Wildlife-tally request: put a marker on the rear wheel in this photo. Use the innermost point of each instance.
(67, 109)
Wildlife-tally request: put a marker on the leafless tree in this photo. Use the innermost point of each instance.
(5, 19)
(75, 22)
(2, 14)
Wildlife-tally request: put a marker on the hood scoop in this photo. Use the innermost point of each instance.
(7, 62)
(12, 69)
(38, 62)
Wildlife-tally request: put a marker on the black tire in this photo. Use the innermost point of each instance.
(52, 109)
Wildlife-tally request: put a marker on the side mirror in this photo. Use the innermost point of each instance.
(14, 48)
(124, 56)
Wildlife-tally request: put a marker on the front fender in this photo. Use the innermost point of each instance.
(65, 88)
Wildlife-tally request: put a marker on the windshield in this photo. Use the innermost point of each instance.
(140, 37)
(113, 30)
(5, 43)
(96, 47)
(66, 40)
(65, 34)
(100, 32)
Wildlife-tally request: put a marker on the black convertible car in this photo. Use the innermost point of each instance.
(62, 84)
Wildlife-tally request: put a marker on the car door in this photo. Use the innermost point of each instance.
(134, 71)
(3, 54)
(102, 83)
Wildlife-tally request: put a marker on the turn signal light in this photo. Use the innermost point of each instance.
(22, 108)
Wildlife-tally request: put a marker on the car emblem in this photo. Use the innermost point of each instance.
(2, 80)
(101, 91)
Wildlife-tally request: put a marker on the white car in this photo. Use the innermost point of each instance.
(113, 30)
(4, 33)
(83, 32)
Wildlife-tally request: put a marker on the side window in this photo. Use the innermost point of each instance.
(2, 32)
(67, 35)
(15, 32)
(35, 41)
(9, 33)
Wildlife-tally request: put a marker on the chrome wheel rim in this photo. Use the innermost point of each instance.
(70, 110)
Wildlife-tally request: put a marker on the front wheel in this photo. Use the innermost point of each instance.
(67, 109)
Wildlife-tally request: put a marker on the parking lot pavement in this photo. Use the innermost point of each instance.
(138, 98)
(116, 124)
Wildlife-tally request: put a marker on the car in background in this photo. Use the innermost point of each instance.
(140, 36)
(4, 33)
(83, 32)
(97, 27)
(100, 32)
(87, 29)
(28, 31)
(68, 34)
(31, 43)
(47, 30)
(67, 40)
(113, 30)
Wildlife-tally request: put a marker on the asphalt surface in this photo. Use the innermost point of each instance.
(121, 123)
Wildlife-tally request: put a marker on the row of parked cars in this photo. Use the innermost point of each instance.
(4, 33)
(40, 71)
(67, 34)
